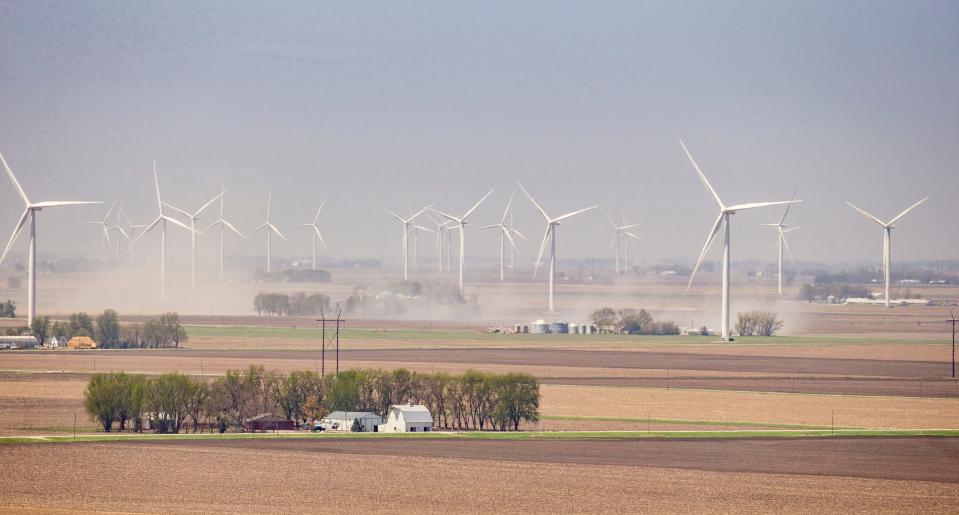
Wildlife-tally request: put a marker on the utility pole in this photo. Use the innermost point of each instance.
(338, 340)
(322, 319)
(953, 321)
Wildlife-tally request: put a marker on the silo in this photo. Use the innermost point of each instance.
(539, 327)
(559, 327)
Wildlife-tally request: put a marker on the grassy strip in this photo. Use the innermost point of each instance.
(686, 422)
(530, 435)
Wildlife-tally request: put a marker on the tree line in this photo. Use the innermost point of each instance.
(630, 321)
(106, 330)
(297, 304)
(167, 402)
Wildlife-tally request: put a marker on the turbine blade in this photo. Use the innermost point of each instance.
(450, 217)
(16, 232)
(13, 179)
(55, 203)
(709, 242)
(614, 239)
(261, 227)
(542, 248)
(867, 215)
(574, 213)
(702, 177)
(782, 234)
(319, 210)
(630, 226)
(278, 233)
(208, 204)
(495, 226)
(178, 210)
(517, 233)
(476, 205)
(754, 205)
(418, 213)
(509, 237)
(791, 229)
(148, 229)
(156, 182)
(611, 222)
(509, 203)
(421, 228)
(530, 197)
(319, 235)
(910, 208)
(394, 215)
(786, 211)
(107, 216)
(174, 221)
(631, 235)
(234, 229)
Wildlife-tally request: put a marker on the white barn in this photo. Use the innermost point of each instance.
(343, 420)
(407, 418)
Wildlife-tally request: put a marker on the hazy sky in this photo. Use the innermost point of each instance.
(385, 103)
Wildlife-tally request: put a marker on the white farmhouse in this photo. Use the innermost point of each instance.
(407, 418)
(344, 420)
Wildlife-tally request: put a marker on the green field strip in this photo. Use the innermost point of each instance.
(688, 422)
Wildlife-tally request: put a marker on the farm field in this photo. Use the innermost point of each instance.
(272, 476)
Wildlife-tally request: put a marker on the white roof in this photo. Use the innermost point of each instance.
(350, 415)
(414, 413)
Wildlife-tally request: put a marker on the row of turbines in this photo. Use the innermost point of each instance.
(445, 224)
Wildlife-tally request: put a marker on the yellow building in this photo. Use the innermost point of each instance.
(81, 342)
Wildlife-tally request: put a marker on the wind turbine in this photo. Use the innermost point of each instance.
(550, 236)
(160, 220)
(723, 219)
(270, 229)
(224, 225)
(105, 230)
(132, 230)
(621, 235)
(30, 210)
(887, 240)
(461, 225)
(505, 235)
(781, 243)
(407, 223)
(194, 217)
(315, 226)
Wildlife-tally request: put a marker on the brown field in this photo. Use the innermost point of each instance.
(835, 476)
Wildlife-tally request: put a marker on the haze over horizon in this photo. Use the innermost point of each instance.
(385, 104)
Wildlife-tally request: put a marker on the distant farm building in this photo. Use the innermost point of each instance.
(269, 422)
(82, 342)
(344, 421)
(407, 418)
(18, 342)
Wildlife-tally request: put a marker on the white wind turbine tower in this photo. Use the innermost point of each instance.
(160, 220)
(30, 210)
(270, 229)
(505, 234)
(105, 230)
(194, 217)
(118, 231)
(512, 230)
(620, 239)
(442, 229)
(887, 241)
(723, 219)
(549, 236)
(407, 223)
(224, 225)
(315, 226)
(415, 233)
(781, 243)
(461, 222)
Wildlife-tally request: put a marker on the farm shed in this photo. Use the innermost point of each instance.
(407, 418)
(18, 342)
(82, 342)
(269, 422)
(343, 420)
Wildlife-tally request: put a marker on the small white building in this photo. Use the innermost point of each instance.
(407, 418)
(344, 420)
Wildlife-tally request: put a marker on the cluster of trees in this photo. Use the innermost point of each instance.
(473, 400)
(8, 309)
(758, 323)
(394, 297)
(842, 291)
(630, 321)
(293, 275)
(297, 304)
(106, 330)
